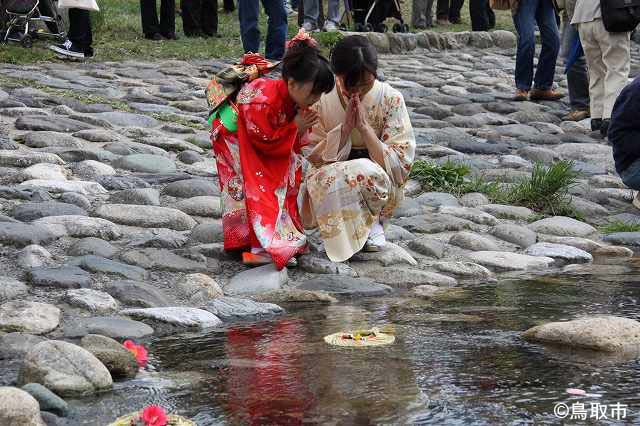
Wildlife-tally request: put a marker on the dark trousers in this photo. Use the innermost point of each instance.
(277, 25)
(149, 13)
(80, 30)
(422, 14)
(577, 76)
(449, 9)
(199, 16)
(482, 16)
(229, 6)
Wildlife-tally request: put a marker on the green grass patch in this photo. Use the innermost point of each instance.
(618, 226)
(174, 118)
(546, 191)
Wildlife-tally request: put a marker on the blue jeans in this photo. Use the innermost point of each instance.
(249, 12)
(577, 76)
(529, 13)
(631, 175)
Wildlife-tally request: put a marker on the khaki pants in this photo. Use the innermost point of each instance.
(608, 60)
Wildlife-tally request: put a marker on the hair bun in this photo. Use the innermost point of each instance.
(302, 39)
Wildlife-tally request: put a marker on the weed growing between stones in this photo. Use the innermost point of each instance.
(619, 226)
(546, 191)
(175, 118)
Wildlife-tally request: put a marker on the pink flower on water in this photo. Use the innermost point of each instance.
(154, 415)
(138, 351)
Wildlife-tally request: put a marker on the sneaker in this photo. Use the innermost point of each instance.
(376, 239)
(521, 95)
(604, 128)
(68, 50)
(596, 124)
(545, 95)
(370, 247)
(577, 115)
(330, 27)
(309, 27)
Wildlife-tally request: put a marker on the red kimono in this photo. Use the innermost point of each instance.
(260, 173)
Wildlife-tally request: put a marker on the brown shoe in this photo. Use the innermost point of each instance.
(443, 22)
(577, 115)
(545, 95)
(521, 95)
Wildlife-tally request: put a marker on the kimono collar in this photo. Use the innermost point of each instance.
(288, 105)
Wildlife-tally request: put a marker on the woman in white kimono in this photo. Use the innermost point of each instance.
(360, 154)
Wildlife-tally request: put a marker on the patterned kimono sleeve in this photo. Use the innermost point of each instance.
(323, 144)
(269, 133)
(397, 135)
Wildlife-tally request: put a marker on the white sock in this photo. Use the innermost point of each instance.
(376, 235)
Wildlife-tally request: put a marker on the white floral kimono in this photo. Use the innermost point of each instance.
(343, 197)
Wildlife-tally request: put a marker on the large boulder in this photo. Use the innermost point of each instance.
(120, 362)
(505, 261)
(18, 408)
(563, 226)
(66, 369)
(146, 216)
(257, 280)
(29, 317)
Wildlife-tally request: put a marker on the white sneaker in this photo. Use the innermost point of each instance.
(67, 50)
(330, 27)
(376, 238)
(309, 27)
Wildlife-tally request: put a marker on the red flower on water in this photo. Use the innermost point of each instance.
(138, 351)
(154, 415)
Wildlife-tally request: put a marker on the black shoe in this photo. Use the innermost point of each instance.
(596, 124)
(604, 128)
(170, 36)
(212, 35)
(68, 50)
(154, 37)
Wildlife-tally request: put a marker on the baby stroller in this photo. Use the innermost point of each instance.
(23, 15)
(369, 15)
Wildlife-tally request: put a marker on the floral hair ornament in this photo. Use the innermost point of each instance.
(302, 37)
(152, 415)
(138, 351)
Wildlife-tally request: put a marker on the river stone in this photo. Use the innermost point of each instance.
(98, 264)
(404, 277)
(464, 269)
(47, 139)
(434, 223)
(146, 216)
(606, 333)
(504, 39)
(396, 233)
(138, 294)
(116, 328)
(33, 256)
(80, 227)
(505, 261)
(60, 186)
(21, 235)
(127, 119)
(24, 159)
(623, 238)
(199, 289)
(48, 400)
(66, 369)
(140, 196)
(158, 238)
(18, 408)
(51, 123)
(389, 254)
(428, 246)
(44, 171)
(180, 317)
(120, 362)
(257, 280)
(474, 199)
(508, 212)
(145, 163)
(294, 295)
(97, 135)
(201, 206)
(29, 317)
(189, 157)
(28, 212)
(92, 300)
(474, 215)
(62, 277)
(163, 260)
(613, 251)
(95, 246)
(322, 265)
(581, 243)
(11, 288)
(76, 199)
(117, 183)
(207, 233)
(473, 242)
(515, 234)
(234, 309)
(90, 169)
(564, 253)
(437, 199)
(563, 226)
(16, 345)
(191, 188)
(346, 286)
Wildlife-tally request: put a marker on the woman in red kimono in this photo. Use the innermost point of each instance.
(273, 116)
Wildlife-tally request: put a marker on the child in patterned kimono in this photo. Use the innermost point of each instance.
(260, 165)
(361, 151)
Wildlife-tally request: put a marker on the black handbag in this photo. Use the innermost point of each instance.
(620, 16)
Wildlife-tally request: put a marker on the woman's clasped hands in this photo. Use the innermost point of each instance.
(305, 120)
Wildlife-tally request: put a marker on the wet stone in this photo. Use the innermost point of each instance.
(138, 294)
(28, 212)
(114, 327)
(98, 264)
(346, 286)
(16, 345)
(234, 309)
(62, 277)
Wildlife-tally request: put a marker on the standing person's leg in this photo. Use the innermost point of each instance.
(616, 58)
(333, 16)
(524, 21)
(419, 14)
(597, 71)
(442, 12)
(478, 13)
(248, 13)
(454, 11)
(577, 77)
(229, 6)
(311, 14)
(209, 18)
(277, 26)
(491, 16)
(548, 26)
(80, 30)
(191, 16)
(149, 16)
(168, 19)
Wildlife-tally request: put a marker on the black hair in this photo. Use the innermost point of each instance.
(304, 63)
(352, 57)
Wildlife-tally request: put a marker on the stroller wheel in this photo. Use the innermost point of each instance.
(405, 28)
(397, 28)
(26, 41)
(381, 28)
(368, 28)
(359, 28)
